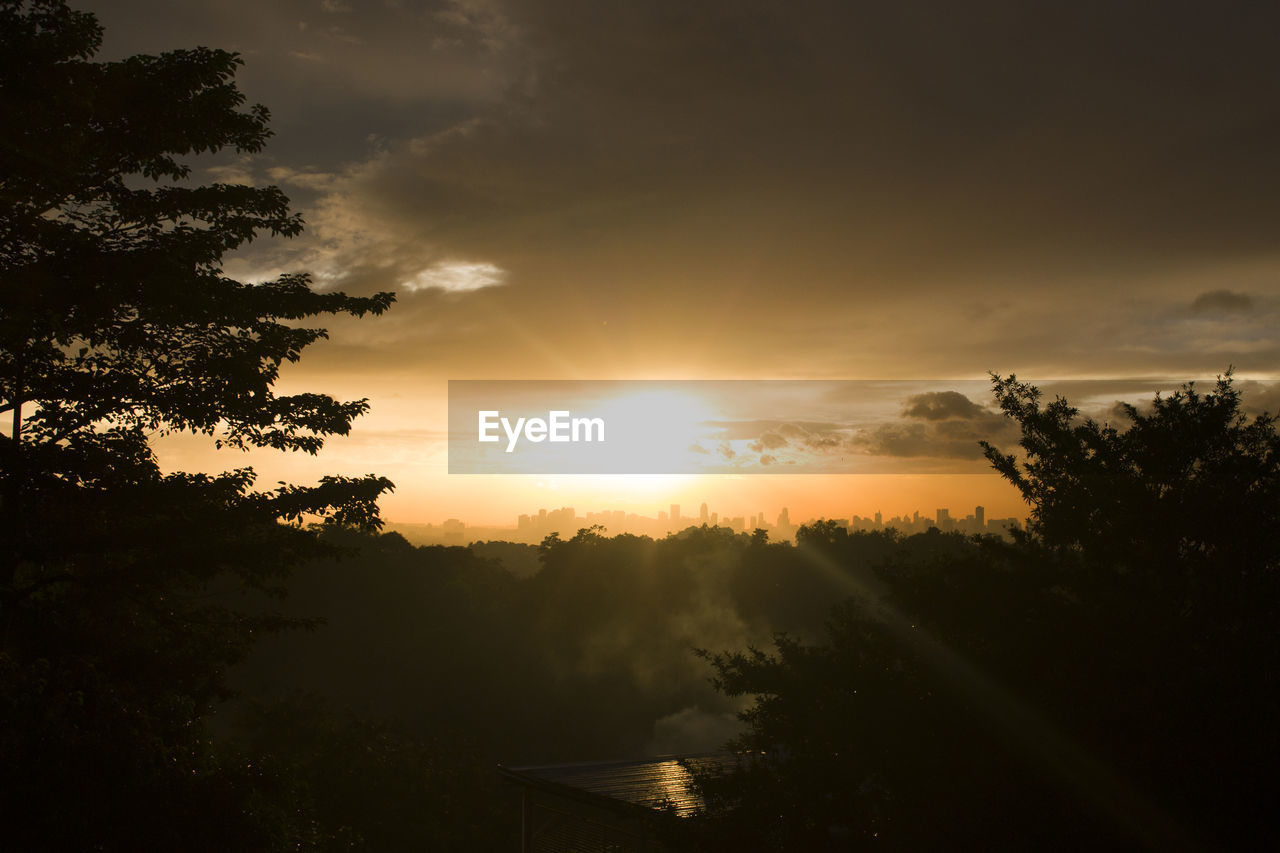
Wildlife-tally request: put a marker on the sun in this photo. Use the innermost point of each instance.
(659, 428)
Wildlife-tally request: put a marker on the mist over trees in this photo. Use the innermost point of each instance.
(590, 658)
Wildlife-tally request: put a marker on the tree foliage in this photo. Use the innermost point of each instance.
(116, 310)
(1184, 493)
(126, 592)
(1110, 680)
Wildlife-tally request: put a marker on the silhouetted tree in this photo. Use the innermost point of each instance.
(1109, 680)
(122, 590)
(1165, 531)
(1184, 496)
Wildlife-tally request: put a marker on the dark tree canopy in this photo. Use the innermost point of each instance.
(115, 307)
(1183, 494)
(125, 592)
(116, 320)
(1108, 681)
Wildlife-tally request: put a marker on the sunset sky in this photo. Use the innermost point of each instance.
(607, 189)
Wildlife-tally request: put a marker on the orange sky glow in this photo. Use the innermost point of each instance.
(751, 191)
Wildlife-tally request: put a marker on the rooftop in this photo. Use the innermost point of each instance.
(652, 783)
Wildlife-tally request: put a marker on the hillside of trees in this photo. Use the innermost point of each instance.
(594, 657)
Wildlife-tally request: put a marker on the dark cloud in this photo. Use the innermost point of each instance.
(972, 125)
(917, 439)
(1080, 391)
(940, 405)
(1117, 415)
(938, 424)
(930, 188)
(1221, 302)
(1258, 397)
(801, 436)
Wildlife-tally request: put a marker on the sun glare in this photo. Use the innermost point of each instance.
(669, 421)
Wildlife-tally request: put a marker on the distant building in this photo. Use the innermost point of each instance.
(453, 531)
(1004, 526)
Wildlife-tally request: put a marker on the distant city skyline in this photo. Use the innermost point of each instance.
(565, 521)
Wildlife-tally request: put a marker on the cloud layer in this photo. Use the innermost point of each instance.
(783, 190)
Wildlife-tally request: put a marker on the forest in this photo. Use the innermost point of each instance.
(189, 662)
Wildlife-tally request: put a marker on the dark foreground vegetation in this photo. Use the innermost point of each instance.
(1108, 680)
(923, 692)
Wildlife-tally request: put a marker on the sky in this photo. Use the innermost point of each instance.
(615, 189)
